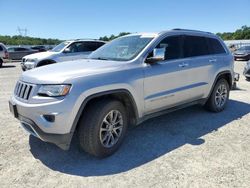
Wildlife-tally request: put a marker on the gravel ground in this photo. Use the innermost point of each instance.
(187, 148)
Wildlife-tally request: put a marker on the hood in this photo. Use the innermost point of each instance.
(60, 72)
(40, 55)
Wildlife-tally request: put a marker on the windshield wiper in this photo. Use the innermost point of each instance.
(100, 58)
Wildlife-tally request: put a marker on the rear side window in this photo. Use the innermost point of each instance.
(1, 48)
(85, 46)
(172, 47)
(215, 46)
(92, 46)
(195, 46)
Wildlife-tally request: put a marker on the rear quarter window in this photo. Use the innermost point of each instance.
(215, 47)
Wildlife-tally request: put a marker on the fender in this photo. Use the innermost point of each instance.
(79, 113)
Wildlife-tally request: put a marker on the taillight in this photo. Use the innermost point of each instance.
(6, 55)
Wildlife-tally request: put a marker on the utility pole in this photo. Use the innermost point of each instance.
(22, 32)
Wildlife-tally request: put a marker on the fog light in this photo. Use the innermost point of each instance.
(49, 118)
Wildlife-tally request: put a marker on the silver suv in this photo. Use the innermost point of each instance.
(65, 51)
(123, 83)
(4, 55)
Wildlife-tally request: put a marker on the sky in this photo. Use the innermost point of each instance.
(69, 19)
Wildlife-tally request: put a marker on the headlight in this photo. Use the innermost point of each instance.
(29, 65)
(54, 90)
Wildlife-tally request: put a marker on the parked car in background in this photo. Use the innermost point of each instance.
(243, 53)
(4, 55)
(39, 48)
(246, 71)
(65, 51)
(17, 53)
(125, 82)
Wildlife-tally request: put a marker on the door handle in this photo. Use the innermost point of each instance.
(183, 64)
(212, 60)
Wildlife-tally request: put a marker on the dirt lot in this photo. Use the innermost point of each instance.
(187, 148)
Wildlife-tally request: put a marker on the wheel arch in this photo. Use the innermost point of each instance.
(45, 62)
(122, 95)
(224, 74)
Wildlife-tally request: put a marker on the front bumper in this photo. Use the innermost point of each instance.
(242, 56)
(33, 120)
(61, 140)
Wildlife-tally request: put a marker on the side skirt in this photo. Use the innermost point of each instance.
(169, 110)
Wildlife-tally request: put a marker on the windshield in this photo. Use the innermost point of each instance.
(122, 49)
(59, 47)
(244, 48)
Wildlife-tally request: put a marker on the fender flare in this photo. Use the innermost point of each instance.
(116, 91)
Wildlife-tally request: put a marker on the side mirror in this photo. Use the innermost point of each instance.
(158, 55)
(67, 50)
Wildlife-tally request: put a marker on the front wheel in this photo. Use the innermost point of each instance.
(103, 127)
(219, 97)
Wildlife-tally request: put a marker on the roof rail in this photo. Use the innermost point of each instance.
(82, 39)
(179, 29)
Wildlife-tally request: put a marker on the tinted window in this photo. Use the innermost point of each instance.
(1, 48)
(215, 46)
(21, 49)
(10, 49)
(172, 47)
(195, 46)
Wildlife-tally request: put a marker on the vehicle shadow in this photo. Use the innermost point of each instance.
(8, 66)
(146, 142)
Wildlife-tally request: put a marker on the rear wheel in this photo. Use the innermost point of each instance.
(103, 127)
(219, 97)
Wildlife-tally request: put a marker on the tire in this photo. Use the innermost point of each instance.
(219, 96)
(1, 62)
(247, 78)
(90, 133)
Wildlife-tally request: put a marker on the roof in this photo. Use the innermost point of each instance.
(86, 40)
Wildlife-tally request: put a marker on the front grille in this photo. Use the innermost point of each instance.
(23, 90)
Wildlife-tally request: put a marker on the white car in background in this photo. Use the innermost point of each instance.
(4, 55)
(65, 51)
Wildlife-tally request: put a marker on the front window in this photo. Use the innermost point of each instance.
(60, 46)
(122, 49)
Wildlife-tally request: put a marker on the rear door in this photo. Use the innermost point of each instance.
(197, 56)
